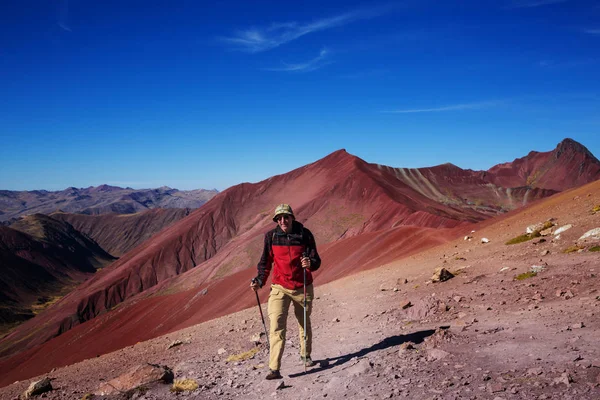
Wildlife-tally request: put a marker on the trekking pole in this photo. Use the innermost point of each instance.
(305, 358)
(262, 317)
(305, 320)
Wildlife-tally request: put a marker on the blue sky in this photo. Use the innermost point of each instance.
(196, 94)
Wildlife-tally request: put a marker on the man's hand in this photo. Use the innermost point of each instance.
(305, 262)
(254, 284)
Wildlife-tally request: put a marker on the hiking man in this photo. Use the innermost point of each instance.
(290, 250)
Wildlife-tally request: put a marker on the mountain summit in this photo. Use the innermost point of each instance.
(569, 165)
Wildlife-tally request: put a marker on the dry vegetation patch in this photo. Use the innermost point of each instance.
(184, 385)
(243, 356)
(524, 237)
(534, 234)
(573, 249)
(525, 275)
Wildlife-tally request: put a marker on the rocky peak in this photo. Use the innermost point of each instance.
(570, 146)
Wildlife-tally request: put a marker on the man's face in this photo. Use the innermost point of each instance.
(285, 222)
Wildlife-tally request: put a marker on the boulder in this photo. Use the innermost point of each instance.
(594, 234)
(141, 375)
(441, 275)
(38, 387)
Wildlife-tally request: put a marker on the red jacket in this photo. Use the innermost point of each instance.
(283, 252)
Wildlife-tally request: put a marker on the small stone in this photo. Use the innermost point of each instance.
(404, 347)
(405, 304)
(221, 351)
(578, 325)
(537, 268)
(534, 371)
(256, 338)
(565, 378)
(569, 295)
(495, 387)
(436, 354)
(280, 385)
(174, 344)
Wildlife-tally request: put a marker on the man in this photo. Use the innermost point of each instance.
(290, 250)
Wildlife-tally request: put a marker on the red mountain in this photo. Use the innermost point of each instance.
(569, 165)
(363, 215)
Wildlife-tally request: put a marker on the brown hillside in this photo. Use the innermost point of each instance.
(42, 258)
(119, 233)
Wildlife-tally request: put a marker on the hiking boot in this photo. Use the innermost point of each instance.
(308, 362)
(273, 375)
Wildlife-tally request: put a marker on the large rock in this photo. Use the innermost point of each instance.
(594, 234)
(562, 229)
(37, 387)
(441, 275)
(140, 375)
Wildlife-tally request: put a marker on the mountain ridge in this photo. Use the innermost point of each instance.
(97, 200)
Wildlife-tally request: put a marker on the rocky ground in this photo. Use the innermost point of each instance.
(392, 332)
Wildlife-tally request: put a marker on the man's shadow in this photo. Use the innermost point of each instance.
(416, 337)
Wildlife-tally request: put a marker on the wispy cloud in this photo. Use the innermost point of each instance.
(551, 64)
(454, 107)
(318, 62)
(534, 3)
(63, 15)
(592, 31)
(258, 39)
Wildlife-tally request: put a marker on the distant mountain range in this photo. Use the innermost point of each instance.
(98, 200)
(196, 267)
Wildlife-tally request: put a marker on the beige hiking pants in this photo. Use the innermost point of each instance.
(279, 304)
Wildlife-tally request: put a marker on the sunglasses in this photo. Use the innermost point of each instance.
(282, 216)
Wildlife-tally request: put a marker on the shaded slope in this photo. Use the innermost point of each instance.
(41, 257)
(119, 233)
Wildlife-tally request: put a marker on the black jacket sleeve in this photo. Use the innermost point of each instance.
(266, 261)
(311, 249)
